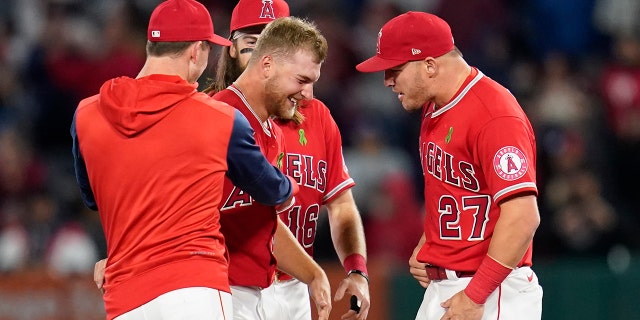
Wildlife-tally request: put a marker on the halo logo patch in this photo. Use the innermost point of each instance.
(510, 163)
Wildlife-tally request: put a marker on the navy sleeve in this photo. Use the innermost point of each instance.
(249, 169)
(82, 177)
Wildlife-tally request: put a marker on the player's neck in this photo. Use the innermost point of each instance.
(451, 89)
(163, 65)
(253, 95)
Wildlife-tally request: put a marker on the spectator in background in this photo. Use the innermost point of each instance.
(564, 26)
(76, 47)
(22, 172)
(620, 90)
(370, 160)
(14, 238)
(72, 251)
(570, 129)
(394, 220)
(366, 104)
(580, 220)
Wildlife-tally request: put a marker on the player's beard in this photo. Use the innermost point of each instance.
(416, 94)
(277, 103)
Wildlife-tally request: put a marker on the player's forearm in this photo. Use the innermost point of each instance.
(345, 222)
(347, 235)
(349, 239)
(291, 258)
(514, 231)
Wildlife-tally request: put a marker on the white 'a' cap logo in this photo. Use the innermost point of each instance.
(267, 10)
(378, 44)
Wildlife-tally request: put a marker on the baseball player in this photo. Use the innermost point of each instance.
(314, 158)
(477, 150)
(280, 75)
(151, 155)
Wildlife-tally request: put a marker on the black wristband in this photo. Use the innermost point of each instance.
(360, 272)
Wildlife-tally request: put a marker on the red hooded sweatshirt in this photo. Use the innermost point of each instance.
(151, 155)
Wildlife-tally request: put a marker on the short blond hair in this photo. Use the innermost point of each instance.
(283, 37)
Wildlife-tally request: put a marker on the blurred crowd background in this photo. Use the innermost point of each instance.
(574, 65)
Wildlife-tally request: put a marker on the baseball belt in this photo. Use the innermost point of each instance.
(439, 273)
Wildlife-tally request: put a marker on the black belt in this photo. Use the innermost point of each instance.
(439, 273)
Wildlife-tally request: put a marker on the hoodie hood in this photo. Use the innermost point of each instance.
(133, 105)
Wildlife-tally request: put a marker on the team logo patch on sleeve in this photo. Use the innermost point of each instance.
(510, 163)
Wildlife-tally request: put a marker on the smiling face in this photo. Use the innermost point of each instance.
(410, 81)
(290, 81)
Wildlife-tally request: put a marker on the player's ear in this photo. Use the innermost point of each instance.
(192, 51)
(233, 51)
(266, 64)
(430, 64)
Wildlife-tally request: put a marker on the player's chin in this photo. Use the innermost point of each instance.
(408, 106)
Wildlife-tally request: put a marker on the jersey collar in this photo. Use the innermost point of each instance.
(266, 125)
(470, 82)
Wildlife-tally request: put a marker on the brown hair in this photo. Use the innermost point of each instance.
(227, 71)
(159, 49)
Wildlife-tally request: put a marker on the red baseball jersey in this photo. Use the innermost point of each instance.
(475, 151)
(249, 226)
(314, 159)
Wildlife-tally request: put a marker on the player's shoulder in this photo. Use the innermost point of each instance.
(315, 109)
(92, 100)
(316, 105)
(216, 105)
(220, 94)
(88, 106)
(490, 88)
(497, 99)
(229, 97)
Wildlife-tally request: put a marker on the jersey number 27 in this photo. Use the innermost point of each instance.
(450, 211)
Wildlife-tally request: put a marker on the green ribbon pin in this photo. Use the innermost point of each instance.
(279, 161)
(447, 139)
(303, 139)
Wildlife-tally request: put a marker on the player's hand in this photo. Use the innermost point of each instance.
(461, 307)
(320, 291)
(358, 286)
(98, 274)
(418, 269)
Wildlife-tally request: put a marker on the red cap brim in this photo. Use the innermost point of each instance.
(375, 64)
(219, 40)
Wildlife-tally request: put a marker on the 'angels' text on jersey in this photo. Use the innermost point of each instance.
(442, 166)
(306, 171)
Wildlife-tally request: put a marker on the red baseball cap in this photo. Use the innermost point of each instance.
(249, 13)
(182, 20)
(409, 37)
